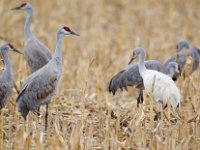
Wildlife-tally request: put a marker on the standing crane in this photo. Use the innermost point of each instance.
(36, 53)
(6, 79)
(130, 76)
(184, 49)
(40, 86)
(157, 84)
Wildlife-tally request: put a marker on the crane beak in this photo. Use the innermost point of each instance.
(74, 33)
(16, 8)
(131, 60)
(17, 51)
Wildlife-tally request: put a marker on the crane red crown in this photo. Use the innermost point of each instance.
(24, 4)
(66, 28)
(11, 46)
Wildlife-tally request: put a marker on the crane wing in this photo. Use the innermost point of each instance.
(130, 76)
(40, 85)
(45, 49)
(4, 92)
(195, 53)
(36, 54)
(127, 77)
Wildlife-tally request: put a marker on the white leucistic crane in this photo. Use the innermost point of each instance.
(159, 85)
(40, 86)
(130, 76)
(36, 53)
(6, 79)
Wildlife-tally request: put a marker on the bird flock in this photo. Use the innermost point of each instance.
(154, 77)
(45, 68)
(157, 78)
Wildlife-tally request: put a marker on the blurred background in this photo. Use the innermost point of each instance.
(110, 30)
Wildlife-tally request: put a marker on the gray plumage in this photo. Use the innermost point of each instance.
(40, 86)
(183, 51)
(6, 79)
(130, 76)
(183, 44)
(36, 53)
(171, 69)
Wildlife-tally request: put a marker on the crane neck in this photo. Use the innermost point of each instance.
(27, 30)
(170, 72)
(8, 70)
(142, 67)
(58, 50)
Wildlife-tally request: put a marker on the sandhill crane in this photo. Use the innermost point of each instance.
(6, 79)
(184, 49)
(36, 53)
(183, 44)
(40, 86)
(130, 76)
(15, 86)
(172, 68)
(159, 85)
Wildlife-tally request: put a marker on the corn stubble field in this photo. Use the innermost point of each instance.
(83, 115)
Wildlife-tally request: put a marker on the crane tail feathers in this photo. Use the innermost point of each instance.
(116, 83)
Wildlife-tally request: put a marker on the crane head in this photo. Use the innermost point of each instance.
(67, 31)
(136, 53)
(182, 44)
(23, 6)
(174, 66)
(10, 47)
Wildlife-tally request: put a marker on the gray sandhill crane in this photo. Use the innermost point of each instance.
(6, 79)
(184, 49)
(36, 53)
(171, 69)
(130, 76)
(40, 86)
(15, 86)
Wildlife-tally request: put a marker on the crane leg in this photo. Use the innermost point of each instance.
(164, 107)
(38, 112)
(46, 117)
(140, 98)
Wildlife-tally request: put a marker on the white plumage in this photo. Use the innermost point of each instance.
(161, 86)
